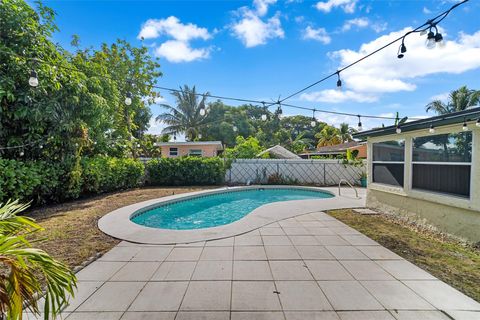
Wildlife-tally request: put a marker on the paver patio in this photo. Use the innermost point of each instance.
(308, 267)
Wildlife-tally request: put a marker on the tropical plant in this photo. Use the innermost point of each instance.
(345, 132)
(244, 149)
(186, 117)
(26, 271)
(458, 100)
(329, 136)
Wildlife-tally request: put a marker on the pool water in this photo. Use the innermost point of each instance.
(218, 209)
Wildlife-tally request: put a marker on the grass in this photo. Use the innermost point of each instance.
(447, 259)
(71, 233)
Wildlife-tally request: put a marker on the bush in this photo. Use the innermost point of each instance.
(185, 171)
(104, 174)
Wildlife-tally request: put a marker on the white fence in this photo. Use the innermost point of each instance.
(301, 171)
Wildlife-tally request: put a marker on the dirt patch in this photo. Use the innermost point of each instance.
(451, 261)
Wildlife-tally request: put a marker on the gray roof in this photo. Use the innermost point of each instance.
(279, 152)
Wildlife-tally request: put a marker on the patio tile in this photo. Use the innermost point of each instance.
(366, 315)
(148, 316)
(136, 271)
(320, 215)
(331, 240)
(213, 270)
(84, 290)
(226, 242)
(359, 240)
(378, 253)
(304, 240)
(99, 271)
(251, 270)
(249, 253)
(276, 241)
(178, 270)
(290, 270)
(259, 315)
(366, 270)
(346, 253)
(349, 295)
(423, 315)
(404, 270)
(184, 254)
(190, 244)
(305, 217)
(292, 231)
(152, 254)
(463, 315)
(327, 270)
(302, 295)
(112, 296)
(289, 223)
(344, 230)
(314, 253)
(193, 315)
(120, 254)
(217, 253)
(207, 295)
(255, 232)
(254, 295)
(311, 315)
(320, 231)
(442, 295)
(282, 253)
(248, 240)
(271, 231)
(312, 224)
(95, 316)
(160, 296)
(334, 223)
(395, 295)
(272, 225)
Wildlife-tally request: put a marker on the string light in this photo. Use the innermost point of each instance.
(432, 128)
(279, 109)
(478, 123)
(199, 136)
(399, 129)
(359, 126)
(128, 98)
(202, 111)
(465, 126)
(313, 123)
(235, 129)
(33, 80)
(21, 154)
(402, 49)
(339, 82)
(264, 117)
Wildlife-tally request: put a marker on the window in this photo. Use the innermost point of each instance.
(388, 162)
(173, 152)
(442, 163)
(195, 152)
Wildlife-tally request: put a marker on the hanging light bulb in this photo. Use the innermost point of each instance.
(174, 137)
(438, 38)
(199, 136)
(235, 129)
(279, 109)
(155, 144)
(313, 123)
(430, 40)
(138, 145)
(41, 146)
(202, 111)
(339, 82)
(399, 129)
(401, 50)
(432, 129)
(465, 126)
(478, 123)
(128, 98)
(33, 80)
(21, 154)
(264, 117)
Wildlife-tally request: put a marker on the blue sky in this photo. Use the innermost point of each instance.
(264, 49)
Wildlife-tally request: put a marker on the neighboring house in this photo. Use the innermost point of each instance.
(430, 169)
(279, 152)
(196, 148)
(338, 150)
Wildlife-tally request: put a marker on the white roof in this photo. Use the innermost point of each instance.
(280, 152)
(218, 144)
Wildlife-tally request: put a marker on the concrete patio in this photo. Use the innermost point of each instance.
(308, 267)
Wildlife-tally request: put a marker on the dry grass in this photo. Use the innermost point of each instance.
(447, 259)
(71, 234)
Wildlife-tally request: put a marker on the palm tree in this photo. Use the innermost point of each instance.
(346, 132)
(26, 270)
(329, 136)
(186, 117)
(458, 100)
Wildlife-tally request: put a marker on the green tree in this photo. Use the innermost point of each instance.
(329, 136)
(244, 148)
(345, 132)
(458, 100)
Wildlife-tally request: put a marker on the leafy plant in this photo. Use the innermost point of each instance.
(27, 271)
(245, 149)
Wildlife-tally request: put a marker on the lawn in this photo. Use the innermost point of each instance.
(71, 232)
(450, 261)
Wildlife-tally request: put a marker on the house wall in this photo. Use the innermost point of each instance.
(452, 214)
(183, 150)
(362, 151)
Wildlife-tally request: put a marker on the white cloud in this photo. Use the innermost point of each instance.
(262, 6)
(384, 73)
(178, 49)
(357, 22)
(253, 31)
(442, 96)
(426, 10)
(348, 6)
(319, 34)
(379, 26)
(172, 27)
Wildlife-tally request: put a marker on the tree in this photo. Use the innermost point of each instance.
(244, 149)
(345, 132)
(25, 270)
(186, 116)
(329, 136)
(458, 100)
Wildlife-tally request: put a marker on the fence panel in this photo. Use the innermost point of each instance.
(302, 171)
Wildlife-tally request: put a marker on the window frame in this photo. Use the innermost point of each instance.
(170, 151)
(373, 162)
(195, 155)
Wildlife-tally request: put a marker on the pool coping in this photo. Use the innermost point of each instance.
(118, 224)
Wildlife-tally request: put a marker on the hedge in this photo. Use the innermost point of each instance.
(185, 171)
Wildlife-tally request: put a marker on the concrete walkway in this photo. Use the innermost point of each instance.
(303, 268)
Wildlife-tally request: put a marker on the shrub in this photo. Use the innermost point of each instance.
(185, 171)
(104, 174)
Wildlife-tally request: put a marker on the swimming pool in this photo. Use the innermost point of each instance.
(218, 209)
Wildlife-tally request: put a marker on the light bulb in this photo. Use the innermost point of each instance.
(40, 146)
(432, 129)
(21, 153)
(138, 145)
(313, 123)
(339, 84)
(33, 80)
(398, 130)
(264, 117)
(359, 127)
(431, 40)
(199, 136)
(128, 99)
(235, 129)
(202, 111)
(465, 127)
(478, 123)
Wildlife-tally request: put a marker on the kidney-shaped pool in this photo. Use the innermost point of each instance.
(218, 208)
